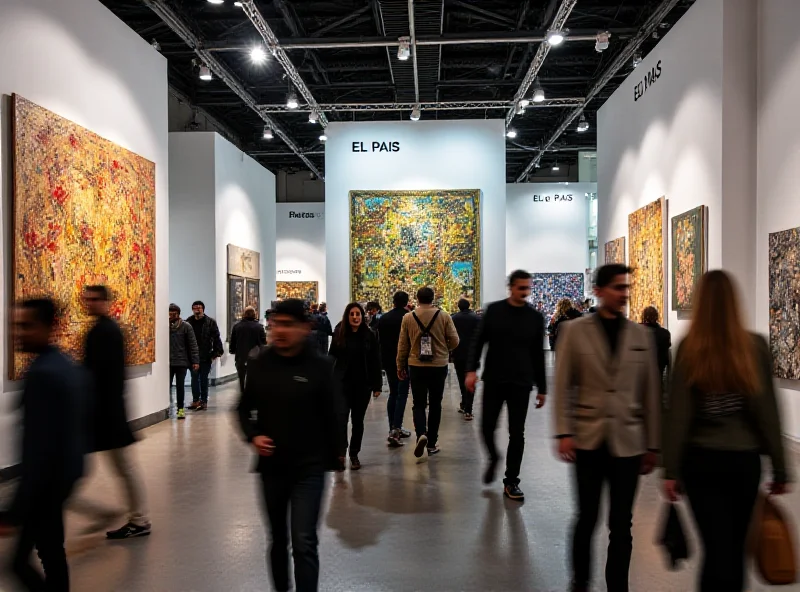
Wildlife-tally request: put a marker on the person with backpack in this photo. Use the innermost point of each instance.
(426, 339)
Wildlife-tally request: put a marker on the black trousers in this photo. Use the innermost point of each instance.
(178, 373)
(43, 529)
(353, 404)
(241, 370)
(302, 495)
(427, 389)
(516, 399)
(467, 397)
(592, 469)
(722, 487)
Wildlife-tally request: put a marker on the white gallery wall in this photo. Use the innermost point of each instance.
(78, 60)
(300, 244)
(432, 155)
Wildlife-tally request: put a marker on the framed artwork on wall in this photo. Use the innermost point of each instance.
(784, 293)
(236, 299)
(615, 251)
(646, 251)
(252, 296)
(84, 213)
(689, 258)
(306, 291)
(548, 288)
(244, 262)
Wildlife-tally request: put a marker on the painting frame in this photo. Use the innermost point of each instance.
(236, 300)
(612, 251)
(252, 294)
(243, 262)
(784, 293)
(647, 247)
(688, 261)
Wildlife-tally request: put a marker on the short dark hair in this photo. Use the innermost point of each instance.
(400, 299)
(373, 305)
(463, 304)
(425, 295)
(100, 291)
(291, 307)
(175, 308)
(606, 274)
(519, 274)
(198, 303)
(44, 310)
(650, 315)
(323, 306)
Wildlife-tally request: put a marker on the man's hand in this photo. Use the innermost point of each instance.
(541, 399)
(402, 373)
(264, 446)
(566, 449)
(672, 490)
(649, 461)
(376, 394)
(470, 381)
(195, 367)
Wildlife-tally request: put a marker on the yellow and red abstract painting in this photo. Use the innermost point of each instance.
(84, 213)
(646, 257)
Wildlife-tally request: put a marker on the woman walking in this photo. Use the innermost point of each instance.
(358, 368)
(722, 413)
(565, 311)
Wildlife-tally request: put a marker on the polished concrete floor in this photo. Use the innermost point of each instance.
(394, 526)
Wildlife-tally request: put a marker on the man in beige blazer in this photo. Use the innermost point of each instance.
(607, 398)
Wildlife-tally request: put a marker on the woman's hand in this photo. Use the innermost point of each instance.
(672, 490)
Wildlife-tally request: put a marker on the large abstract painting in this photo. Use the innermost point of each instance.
(236, 301)
(548, 288)
(784, 302)
(252, 296)
(688, 256)
(84, 213)
(403, 240)
(244, 262)
(307, 291)
(615, 251)
(646, 257)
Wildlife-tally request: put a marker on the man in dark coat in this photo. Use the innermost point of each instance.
(53, 445)
(323, 328)
(104, 360)
(389, 336)
(466, 323)
(246, 335)
(206, 332)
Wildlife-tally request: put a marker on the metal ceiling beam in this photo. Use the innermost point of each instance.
(413, 35)
(289, 18)
(483, 12)
(353, 16)
(223, 73)
(431, 106)
(656, 16)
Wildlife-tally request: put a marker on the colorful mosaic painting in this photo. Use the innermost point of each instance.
(615, 251)
(84, 213)
(308, 291)
(688, 256)
(784, 302)
(548, 288)
(236, 299)
(403, 240)
(646, 257)
(251, 294)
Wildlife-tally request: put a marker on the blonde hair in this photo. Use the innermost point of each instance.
(563, 306)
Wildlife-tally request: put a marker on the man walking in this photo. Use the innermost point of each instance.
(389, 336)
(606, 420)
(53, 444)
(323, 328)
(466, 323)
(206, 333)
(246, 335)
(291, 389)
(514, 332)
(104, 361)
(183, 354)
(426, 339)
(374, 313)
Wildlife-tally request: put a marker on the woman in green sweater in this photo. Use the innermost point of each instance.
(722, 415)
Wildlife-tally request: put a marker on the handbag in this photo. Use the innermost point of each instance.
(673, 537)
(773, 548)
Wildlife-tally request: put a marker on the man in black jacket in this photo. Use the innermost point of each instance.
(104, 361)
(53, 444)
(466, 323)
(206, 332)
(246, 335)
(322, 328)
(662, 337)
(389, 335)
(514, 332)
(291, 388)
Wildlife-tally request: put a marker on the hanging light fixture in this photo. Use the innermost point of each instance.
(156, 45)
(313, 117)
(538, 92)
(238, 4)
(404, 49)
(637, 59)
(268, 132)
(416, 113)
(216, 1)
(291, 100)
(602, 41)
(583, 125)
(519, 109)
(205, 73)
(323, 138)
(555, 38)
(511, 133)
(258, 55)
(556, 167)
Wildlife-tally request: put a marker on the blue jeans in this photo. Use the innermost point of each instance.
(200, 382)
(398, 396)
(303, 494)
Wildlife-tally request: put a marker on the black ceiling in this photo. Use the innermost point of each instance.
(460, 72)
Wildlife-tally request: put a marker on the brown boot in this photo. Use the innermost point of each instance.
(194, 405)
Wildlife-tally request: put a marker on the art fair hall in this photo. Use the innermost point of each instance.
(399, 295)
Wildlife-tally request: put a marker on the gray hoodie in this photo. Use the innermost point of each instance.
(183, 351)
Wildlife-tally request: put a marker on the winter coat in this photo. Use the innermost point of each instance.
(183, 351)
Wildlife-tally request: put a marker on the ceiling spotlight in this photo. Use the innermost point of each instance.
(238, 4)
(656, 35)
(205, 73)
(313, 117)
(637, 59)
(416, 113)
(583, 125)
(323, 138)
(511, 134)
(156, 45)
(538, 92)
(291, 101)
(404, 49)
(555, 168)
(268, 132)
(519, 109)
(524, 103)
(258, 55)
(602, 41)
(216, 1)
(555, 38)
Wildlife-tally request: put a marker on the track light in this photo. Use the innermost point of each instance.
(313, 117)
(602, 41)
(556, 168)
(555, 38)
(205, 73)
(637, 59)
(291, 100)
(258, 55)
(216, 1)
(238, 4)
(524, 103)
(323, 138)
(156, 45)
(511, 133)
(416, 113)
(583, 125)
(268, 132)
(404, 49)
(520, 108)
(538, 92)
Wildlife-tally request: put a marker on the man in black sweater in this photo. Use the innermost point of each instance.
(466, 323)
(246, 335)
(389, 335)
(206, 332)
(292, 390)
(514, 332)
(53, 445)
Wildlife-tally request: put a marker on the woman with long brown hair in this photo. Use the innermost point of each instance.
(722, 413)
(358, 368)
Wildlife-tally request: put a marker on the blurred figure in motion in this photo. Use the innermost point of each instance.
(291, 389)
(722, 410)
(183, 354)
(661, 336)
(104, 361)
(246, 335)
(565, 311)
(389, 336)
(53, 444)
(209, 343)
(466, 323)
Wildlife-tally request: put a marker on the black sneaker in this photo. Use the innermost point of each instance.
(394, 439)
(419, 449)
(491, 468)
(461, 408)
(129, 531)
(433, 450)
(514, 492)
(355, 464)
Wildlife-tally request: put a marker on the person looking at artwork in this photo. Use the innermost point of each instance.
(356, 353)
(426, 339)
(183, 354)
(246, 336)
(514, 334)
(661, 336)
(564, 312)
(291, 389)
(104, 361)
(389, 336)
(206, 331)
(722, 415)
(606, 414)
(466, 323)
(53, 445)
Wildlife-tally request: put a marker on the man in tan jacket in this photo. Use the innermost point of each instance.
(607, 413)
(427, 336)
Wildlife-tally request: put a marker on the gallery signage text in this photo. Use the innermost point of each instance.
(557, 197)
(376, 147)
(649, 80)
(289, 272)
(306, 215)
